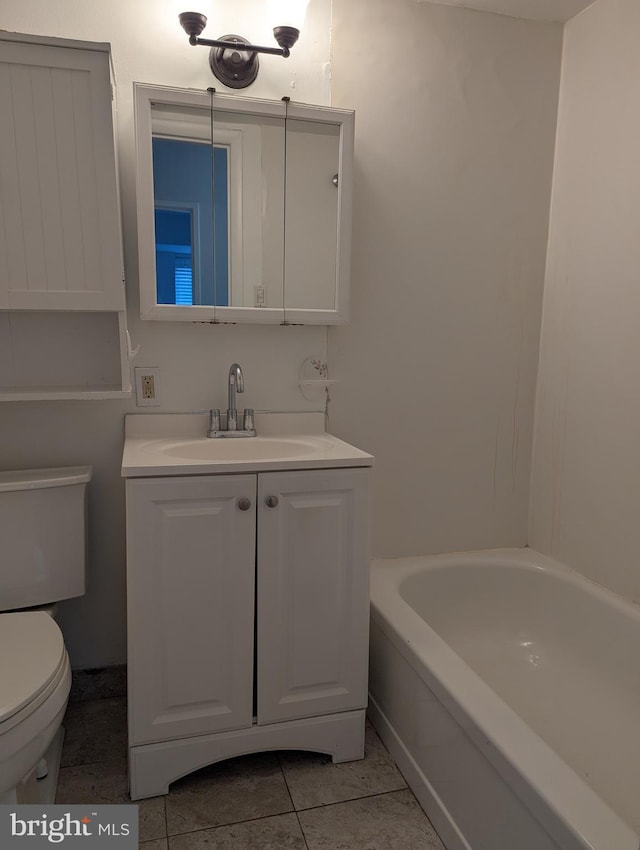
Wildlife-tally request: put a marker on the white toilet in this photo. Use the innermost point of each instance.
(42, 560)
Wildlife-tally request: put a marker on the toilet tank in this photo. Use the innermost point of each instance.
(42, 535)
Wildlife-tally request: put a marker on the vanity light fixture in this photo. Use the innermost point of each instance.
(234, 60)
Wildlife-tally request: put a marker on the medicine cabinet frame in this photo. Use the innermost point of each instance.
(146, 97)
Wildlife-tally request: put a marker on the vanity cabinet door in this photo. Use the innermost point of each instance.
(191, 568)
(313, 592)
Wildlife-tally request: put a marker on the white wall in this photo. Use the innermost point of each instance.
(455, 128)
(149, 46)
(585, 501)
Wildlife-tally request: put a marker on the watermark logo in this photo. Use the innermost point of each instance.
(100, 827)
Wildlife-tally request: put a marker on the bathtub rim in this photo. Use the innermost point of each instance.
(555, 794)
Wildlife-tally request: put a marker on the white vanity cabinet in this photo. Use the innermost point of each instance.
(61, 263)
(248, 611)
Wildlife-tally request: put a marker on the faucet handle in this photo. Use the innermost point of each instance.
(247, 420)
(214, 420)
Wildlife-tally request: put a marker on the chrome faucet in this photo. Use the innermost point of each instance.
(235, 385)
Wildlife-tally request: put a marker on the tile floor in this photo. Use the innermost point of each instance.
(269, 801)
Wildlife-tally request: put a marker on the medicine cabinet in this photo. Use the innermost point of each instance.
(244, 208)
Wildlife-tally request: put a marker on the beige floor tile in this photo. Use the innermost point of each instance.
(152, 822)
(99, 684)
(158, 844)
(392, 821)
(95, 731)
(230, 791)
(275, 833)
(103, 782)
(313, 780)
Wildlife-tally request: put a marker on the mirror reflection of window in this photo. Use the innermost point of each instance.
(191, 222)
(174, 255)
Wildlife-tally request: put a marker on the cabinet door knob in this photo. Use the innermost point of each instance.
(272, 501)
(244, 504)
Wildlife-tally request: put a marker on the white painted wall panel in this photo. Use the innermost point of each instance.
(454, 157)
(585, 497)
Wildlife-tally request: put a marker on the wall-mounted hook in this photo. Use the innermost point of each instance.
(132, 353)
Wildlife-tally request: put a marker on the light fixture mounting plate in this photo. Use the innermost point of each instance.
(234, 67)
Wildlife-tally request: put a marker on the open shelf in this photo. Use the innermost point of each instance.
(63, 355)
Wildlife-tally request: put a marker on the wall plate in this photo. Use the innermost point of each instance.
(147, 379)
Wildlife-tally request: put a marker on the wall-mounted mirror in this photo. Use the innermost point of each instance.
(244, 208)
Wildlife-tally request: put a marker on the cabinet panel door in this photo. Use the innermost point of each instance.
(191, 557)
(60, 242)
(313, 593)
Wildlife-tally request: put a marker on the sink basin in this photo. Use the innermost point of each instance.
(245, 448)
(175, 444)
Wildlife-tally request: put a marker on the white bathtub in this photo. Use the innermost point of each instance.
(507, 687)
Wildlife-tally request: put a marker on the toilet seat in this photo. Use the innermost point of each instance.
(33, 661)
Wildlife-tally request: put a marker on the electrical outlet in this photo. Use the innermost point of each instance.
(147, 386)
(260, 296)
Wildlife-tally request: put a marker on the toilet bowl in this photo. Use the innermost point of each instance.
(35, 679)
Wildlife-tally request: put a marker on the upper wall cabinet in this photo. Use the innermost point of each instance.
(60, 240)
(62, 295)
(244, 208)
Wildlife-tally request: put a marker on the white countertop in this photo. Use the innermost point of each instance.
(177, 444)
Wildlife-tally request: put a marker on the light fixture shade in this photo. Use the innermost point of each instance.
(194, 7)
(287, 13)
